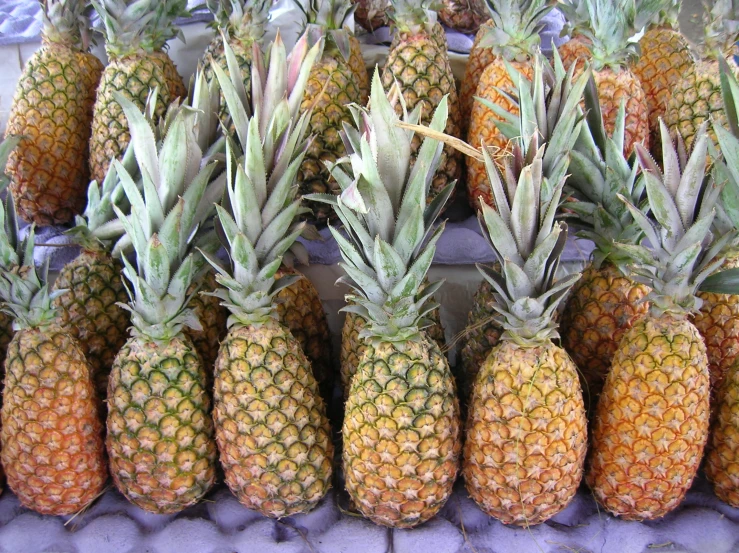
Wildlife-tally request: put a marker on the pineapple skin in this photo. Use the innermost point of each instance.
(53, 451)
(665, 58)
(51, 110)
(420, 65)
(575, 50)
(526, 434)
(465, 16)
(718, 323)
(478, 60)
(482, 127)
(401, 434)
(353, 348)
(613, 88)
(482, 335)
(652, 420)
(273, 435)
(695, 98)
(90, 313)
(346, 84)
(160, 432)
(722, 458)
(602, 307)
(212, 316)
(132, 76)
(301, 311)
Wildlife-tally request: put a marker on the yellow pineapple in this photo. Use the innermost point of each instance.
(526, 433)
(665, 58)
(696, 96)
(52, 443)
(135, 38)
(160, 436)
(339, 78)
(419, 62)
(722, 457)
(652, 419)
(480, 57)
(52, 111)
(401, 425)
(513, 39)
(273, 435)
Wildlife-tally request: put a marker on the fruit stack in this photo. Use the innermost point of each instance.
(154, 359)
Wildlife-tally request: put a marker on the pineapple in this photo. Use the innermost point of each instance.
(513, 39)
(718, 318)
(160, 432)
(52, 111)
(550, 104)
(577, 48)
(242, 23)
(372, 14)
(273, 435)
(464, 16)
(52, 443)
(652, 418)
(526, 429)
(401, 425)
(696, 96)
(605, 303)
(338, 79)
(665, 58)
(419, 62)
(479, 58)
(609, 28)
(136, 32)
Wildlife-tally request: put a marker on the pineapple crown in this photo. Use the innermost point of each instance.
(528, 242)
(167, 222)
(11, 248)
(25, 291)
(657, 13)
(600, 174)
(391, 240)
(682, 251)
(514, 34)
(415, 16)
(330, 18)
(611, 26)
(244, 20)
(258, 222)
(721, 28)
(64, 22)
(135, 25)
(547, 114)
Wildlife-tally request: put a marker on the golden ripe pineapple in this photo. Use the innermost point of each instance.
(513, 39)
(52, 443)
(419, 62)
(160, 432)
(401, 425)
(337, 79)
(722, 457)
(480, 57)
(652, 419)
(526, 429)
(52, 112)
(696, 96)
(273, 435)
(665, 58)
(609, 28)
(605, 302)
(135, 38)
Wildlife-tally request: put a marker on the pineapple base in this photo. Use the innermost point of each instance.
(652, 420)
(401, 434)
(160, 432)
(526, 434)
